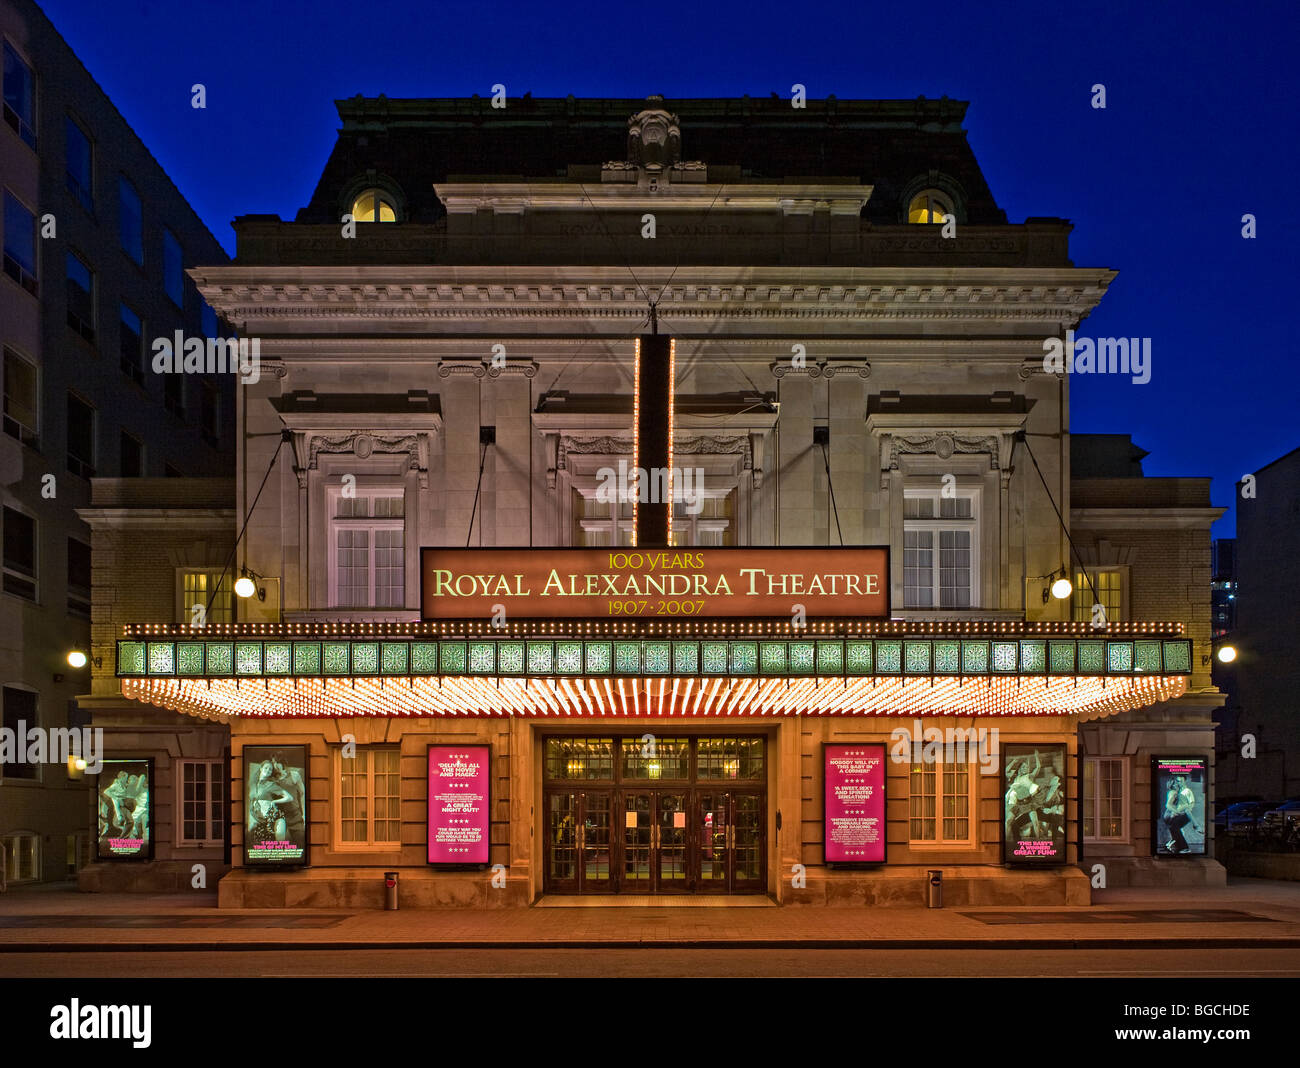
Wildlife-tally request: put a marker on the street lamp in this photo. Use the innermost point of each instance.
(1227, 654)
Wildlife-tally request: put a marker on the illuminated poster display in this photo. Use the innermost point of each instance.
(125, 814)
(854, 830)
(458, 804)
(1178, 806)
(275, 806)
(1033, 803)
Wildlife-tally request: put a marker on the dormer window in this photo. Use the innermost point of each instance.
(929, 206)
(374, 205)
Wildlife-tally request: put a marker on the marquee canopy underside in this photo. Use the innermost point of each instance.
(564, 697)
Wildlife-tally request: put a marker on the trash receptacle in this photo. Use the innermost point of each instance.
(935, 880)
(390, 891)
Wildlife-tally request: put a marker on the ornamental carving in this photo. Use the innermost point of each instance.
(824, 369)
(365, 443)
(695, 445)
(940, 445)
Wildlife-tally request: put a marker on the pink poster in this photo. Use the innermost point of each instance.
(458, 804)
(855, 804)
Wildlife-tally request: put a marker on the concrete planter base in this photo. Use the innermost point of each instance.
(963, 886)
(363, 888)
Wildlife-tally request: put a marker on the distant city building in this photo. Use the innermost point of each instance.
(1264, 679)
(1223, 586)
(97, 241)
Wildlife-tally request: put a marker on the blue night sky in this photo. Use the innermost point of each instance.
(1199, 129)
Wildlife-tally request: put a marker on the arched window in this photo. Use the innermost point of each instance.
(929, 206)
(373, 205)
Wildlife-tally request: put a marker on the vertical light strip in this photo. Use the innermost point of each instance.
(636, 437)
(672, 399)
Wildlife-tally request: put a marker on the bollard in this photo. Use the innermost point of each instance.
(390, 891)
(935, 879)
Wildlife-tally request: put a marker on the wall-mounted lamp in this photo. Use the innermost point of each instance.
(1058, 585)
(78, 658)
(247, 584)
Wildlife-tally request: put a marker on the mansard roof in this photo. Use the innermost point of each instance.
(895, 146)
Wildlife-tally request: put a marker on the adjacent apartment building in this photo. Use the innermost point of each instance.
(837, 649)
(97, 241)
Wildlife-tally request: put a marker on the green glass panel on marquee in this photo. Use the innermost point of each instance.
(424, 658)
(189, 658)
(600, 658)
(859, 658)
(306, 658)
(830, 658)
(686, 658)
(162, 658)
(278, 658)
(394, 658)
(541, 658)
(916, 658)
(221, 658)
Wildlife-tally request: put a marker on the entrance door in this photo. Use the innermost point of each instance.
(730, 827)
(655, 840)
(579, 850)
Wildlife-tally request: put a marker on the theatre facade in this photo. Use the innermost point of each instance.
(621, 515)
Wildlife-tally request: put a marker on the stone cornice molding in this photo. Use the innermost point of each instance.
(822, 369)
(467, 198)
(1145, 518)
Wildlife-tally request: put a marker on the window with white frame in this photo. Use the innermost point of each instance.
(941, 804)
(203, 802)
(368, 549)
(367, 812)
(940, 549)
(598, 522)
(1106, 589)
(1104, 797)
(22, 857)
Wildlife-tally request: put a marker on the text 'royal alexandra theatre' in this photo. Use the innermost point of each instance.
(812, 654)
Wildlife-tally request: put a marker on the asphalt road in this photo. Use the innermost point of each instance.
(641, 963)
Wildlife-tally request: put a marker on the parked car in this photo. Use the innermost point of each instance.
(1279, 820)
(1242, 817)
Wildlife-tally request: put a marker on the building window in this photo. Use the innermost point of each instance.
(193, 587)
(1110, 594)
(939, 550)
(81, 297)
(210, 414)
(941, 804)
(20, 97)
(19, 554)
(1103, 797)
(78, 578)
(130, 221)
(601, 523)
(131, 332)
(208, 320)
(712, 525)
(20, 243)
(929, 206)
(374, 205)
(22, 398)
(81, 166)
(368, 798)
(130, 456)
(174, 394)
(22, 856)
(19, 716)
(81, 437)
(173, 269)
(203, 802)
(368, 566)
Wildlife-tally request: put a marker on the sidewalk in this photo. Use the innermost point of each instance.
(1248, 913)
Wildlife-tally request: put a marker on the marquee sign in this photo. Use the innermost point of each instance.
(654, 583)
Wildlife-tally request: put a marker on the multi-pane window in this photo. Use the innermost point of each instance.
(659, 758)
(1103, 797)
(81, 437)
(368, 798)
(601, 523)
(928, 206)
(78, 578)
(939, 562)
(373, 205)
(1109, 586)
(712, 524)
(173, 269)
(730, 758)
(368, 568)
(130, 456)
(131, 332)
(20, 243)
(194, 587)
(20, 96)
(19, 715)
(21, 398)
(130, 220)
(19, 554)
(210, 414)
(579, 758)
(940, 803)
(81, 165)
(22, 856)
(203, 802)
(80, 290)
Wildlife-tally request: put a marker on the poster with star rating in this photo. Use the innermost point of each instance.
(459, 807)
(854, 830)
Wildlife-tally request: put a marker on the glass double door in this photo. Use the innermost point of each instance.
(655, 841)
